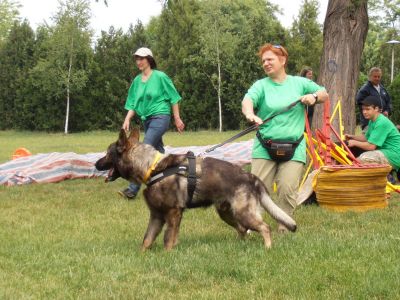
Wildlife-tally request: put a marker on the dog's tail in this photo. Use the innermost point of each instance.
(276, 212)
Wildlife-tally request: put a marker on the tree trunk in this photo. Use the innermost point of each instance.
(345, 31)
(219, 94)
(219, 78)
(68, 88)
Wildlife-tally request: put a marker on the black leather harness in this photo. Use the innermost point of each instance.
(191, 175)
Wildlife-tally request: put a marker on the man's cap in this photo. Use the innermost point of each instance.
(372, 100)
(143, 52)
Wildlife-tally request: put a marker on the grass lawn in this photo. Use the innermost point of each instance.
(79, 239)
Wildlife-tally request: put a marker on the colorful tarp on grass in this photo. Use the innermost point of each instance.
(56, 167)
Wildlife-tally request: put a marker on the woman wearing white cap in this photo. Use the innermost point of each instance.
(151, 96)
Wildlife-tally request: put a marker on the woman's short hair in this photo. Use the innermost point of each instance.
(276, 49)
(304, 71)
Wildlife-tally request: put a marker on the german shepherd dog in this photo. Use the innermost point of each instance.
(238, 196)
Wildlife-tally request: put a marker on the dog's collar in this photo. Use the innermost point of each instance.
(153, 166)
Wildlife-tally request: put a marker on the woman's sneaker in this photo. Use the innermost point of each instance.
(128, 194)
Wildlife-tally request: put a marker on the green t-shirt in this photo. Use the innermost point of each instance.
(386, 137)
(268, 98)
(153, 97)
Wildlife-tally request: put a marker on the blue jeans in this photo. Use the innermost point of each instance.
(154, 129)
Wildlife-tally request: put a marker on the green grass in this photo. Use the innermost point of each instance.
(78, 239)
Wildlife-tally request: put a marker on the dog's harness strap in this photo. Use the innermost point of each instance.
(191, 176)
(167, 172)
(153, 166)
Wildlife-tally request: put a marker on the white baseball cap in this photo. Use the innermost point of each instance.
(143, 52)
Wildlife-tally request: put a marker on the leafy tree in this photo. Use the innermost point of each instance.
(175, 44)
(72, 39)
(394, 91)
(256, 24)
(113, 69)
(391, 9)
(63, 71)
(218, 40)
(209, 56)
(8, 14)
(384, 26)
(16, 58)
(305, 44)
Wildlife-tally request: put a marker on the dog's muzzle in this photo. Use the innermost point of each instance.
(112, 175)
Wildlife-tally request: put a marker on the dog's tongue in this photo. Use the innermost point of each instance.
(109, 175)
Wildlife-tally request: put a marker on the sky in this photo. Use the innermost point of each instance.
(122, 13)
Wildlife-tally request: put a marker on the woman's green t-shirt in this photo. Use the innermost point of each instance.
(153, 97)
(268, 98)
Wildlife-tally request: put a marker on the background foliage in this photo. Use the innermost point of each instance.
(205, 46)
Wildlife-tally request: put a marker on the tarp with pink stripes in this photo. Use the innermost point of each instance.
(55, 166)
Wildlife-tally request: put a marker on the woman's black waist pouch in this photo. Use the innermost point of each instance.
(279, 150)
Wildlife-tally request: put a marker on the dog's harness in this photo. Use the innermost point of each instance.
(190, 170)
(152, 168)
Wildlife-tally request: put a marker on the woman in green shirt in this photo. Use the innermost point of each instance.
(151, 96)
(268, 96)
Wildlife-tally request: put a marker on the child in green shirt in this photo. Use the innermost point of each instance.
(381, 141)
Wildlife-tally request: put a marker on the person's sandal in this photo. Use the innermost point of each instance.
(127, 193)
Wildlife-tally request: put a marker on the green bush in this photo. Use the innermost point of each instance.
(394, 92)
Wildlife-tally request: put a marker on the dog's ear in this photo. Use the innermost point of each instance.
(134, 136)
(122, 141)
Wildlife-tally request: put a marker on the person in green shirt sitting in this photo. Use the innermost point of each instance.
(151, 96)
(271, 95)
(381, 142)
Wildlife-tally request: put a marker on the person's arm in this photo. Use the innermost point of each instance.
(360, 138)
(248, 111)
(362, 145)
(178, 122)
(359, 141)
(127, 121)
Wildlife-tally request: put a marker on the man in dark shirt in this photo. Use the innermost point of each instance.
(374, 87)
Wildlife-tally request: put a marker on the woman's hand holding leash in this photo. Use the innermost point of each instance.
(309, 99)
(254, 119)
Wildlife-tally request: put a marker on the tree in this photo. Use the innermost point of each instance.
(305, 43)
(215, 33)
(345, 31)
(68, 52)
(112, 71)
(384, 25)
(391, 8)
(394, 91)
(8, 14)
(254, 24)
(16, 59)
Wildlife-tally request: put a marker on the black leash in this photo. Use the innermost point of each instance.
(252, 127)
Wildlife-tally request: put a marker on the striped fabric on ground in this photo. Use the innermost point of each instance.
(55, 167)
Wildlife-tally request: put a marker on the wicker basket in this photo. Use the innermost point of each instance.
(343, 188)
